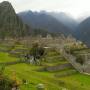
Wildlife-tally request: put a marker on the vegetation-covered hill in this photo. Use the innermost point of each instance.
(10, 24)
(83, 31)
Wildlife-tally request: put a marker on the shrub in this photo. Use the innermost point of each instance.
(80, 60)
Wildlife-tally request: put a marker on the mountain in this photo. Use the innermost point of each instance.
(44, 21)
(10, 24)
(83, 31)
(65, 19)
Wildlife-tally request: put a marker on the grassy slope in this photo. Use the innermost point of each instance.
(30, 73)
(77, 82)
(4, 57)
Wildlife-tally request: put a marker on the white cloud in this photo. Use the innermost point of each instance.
(74, 7)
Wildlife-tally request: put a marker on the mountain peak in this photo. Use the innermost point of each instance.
(6, 6)
(44, 21)
(10, 24)
(5, 3)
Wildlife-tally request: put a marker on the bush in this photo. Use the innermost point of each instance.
(37, 51)
(5, 83)
(80, 60)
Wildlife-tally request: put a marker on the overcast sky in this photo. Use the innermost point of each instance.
(74, 7)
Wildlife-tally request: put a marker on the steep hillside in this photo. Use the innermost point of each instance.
(83, 31)
(65, 19)
(10, 24)
(44, 21)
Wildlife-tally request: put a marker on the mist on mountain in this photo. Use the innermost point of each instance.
(46, 21)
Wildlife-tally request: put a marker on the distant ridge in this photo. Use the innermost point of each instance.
(83, 31)
(66, 19)
(44, 21)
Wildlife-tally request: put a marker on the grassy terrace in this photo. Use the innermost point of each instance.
(30, 73)
(77, 82)
(5, 57)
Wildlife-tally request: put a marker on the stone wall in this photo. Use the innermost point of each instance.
(59, 67)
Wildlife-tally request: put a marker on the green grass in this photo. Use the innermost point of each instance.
(53, 60)
(33, 76)
(5, 57)
(77, 82)
(30, 73)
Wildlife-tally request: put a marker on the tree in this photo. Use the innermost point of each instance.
(37, 52)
